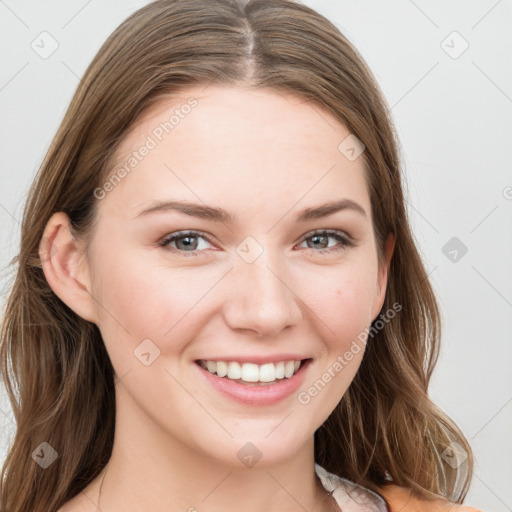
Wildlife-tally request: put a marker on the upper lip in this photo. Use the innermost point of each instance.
(257, 359)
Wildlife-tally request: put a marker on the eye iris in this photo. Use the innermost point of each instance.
(188, 244)
(325, 237)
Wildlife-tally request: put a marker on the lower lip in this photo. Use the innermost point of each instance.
(254, 394)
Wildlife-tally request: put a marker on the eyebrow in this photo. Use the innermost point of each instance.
(220, 215)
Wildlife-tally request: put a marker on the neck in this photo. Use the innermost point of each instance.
(162, 474)
(271, 489)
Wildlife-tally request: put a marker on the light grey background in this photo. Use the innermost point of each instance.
(453, 114)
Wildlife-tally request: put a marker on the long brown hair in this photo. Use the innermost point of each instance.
(56, 369)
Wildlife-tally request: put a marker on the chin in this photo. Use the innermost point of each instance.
(262, 447)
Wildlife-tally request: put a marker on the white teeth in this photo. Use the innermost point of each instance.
(222, 369)
(289, 369)
(267, 372)
(280, 370)
(234, 371)
(250, 372)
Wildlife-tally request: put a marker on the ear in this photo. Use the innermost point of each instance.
(382, 278)
(66, 268)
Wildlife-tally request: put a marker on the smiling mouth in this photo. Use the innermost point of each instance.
(251, 373)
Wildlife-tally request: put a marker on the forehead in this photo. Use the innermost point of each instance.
(217, 143)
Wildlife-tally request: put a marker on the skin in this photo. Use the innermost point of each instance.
(263, 156)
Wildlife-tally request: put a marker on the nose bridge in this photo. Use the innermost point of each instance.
(261, 299)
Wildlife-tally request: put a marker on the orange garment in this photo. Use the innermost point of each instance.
(402, 499)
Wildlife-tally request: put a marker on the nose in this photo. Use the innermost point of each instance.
(261, 297)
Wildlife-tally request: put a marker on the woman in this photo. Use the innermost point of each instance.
(219, 302)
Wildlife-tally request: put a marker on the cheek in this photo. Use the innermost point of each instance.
(141, 299)
(343, 305)
(343, 301)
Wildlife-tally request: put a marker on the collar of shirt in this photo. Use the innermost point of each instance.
(350, 497)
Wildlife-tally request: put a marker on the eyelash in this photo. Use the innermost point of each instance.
(344, 240)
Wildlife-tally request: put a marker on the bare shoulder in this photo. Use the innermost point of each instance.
(404, 500)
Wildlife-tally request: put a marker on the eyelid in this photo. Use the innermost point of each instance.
(346, 239)
(328, 231)
(183, 233)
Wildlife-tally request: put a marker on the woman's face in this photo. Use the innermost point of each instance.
(254, 279)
